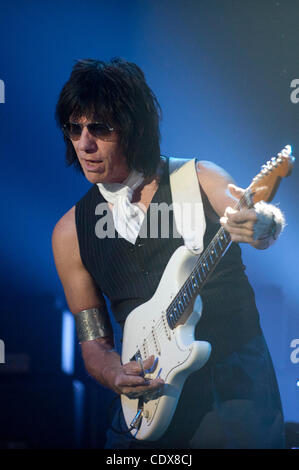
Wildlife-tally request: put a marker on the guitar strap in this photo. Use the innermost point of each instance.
(187, 203)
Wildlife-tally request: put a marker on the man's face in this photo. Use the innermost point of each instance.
(101, 159)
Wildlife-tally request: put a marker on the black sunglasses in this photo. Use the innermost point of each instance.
(73, 130)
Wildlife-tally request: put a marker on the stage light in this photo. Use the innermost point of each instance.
(68, 342)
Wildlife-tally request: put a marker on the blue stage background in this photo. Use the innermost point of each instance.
(222, 72)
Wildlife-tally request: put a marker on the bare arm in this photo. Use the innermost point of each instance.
(81, 293)
(220, 192)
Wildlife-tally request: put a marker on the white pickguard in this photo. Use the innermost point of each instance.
(177, 352)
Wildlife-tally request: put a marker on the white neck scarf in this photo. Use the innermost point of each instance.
(127, 217)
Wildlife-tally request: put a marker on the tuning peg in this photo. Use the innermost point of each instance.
(279, 157)
(287, 150)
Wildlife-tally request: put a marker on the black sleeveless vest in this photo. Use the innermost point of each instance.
(129, 274)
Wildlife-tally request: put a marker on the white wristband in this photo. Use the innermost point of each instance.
(270, 222)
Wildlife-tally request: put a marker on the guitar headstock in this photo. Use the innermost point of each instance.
(265, 184)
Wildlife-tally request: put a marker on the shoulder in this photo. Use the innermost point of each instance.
(66, 226)
(64, 235)
(207, 169)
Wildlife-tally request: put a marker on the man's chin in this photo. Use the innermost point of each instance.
(95, 177)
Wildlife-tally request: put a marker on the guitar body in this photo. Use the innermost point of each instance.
(147, 331)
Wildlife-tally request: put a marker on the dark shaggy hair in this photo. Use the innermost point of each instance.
(117, 94)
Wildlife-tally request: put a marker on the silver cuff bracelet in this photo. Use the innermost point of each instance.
(92, 324)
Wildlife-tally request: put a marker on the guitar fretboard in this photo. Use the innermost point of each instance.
(204, 267)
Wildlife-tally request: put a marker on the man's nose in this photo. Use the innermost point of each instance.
(87, 142)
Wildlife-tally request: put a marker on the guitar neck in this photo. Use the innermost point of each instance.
(204, 267)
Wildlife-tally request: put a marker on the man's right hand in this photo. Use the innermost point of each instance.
(105, 366)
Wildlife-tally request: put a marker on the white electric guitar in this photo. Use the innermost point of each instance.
(164, 326)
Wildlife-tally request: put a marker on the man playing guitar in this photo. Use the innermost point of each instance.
(110, 120)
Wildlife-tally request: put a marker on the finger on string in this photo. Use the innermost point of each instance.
(235, 190)
(240, 216)
(244, 215)
(241, 238)
(237, 230)
(229, 225)
(135, 368)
